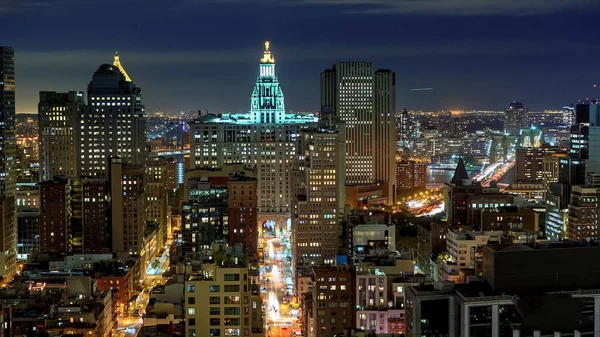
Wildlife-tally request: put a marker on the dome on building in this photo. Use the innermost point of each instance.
(108, 68)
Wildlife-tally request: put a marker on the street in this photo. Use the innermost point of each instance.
(276, 293)
(130, 325)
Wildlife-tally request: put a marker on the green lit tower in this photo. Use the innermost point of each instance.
(267, 105)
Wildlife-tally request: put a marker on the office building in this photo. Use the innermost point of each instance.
(264, 139)
(318, 184)
(58, 117)
(217, 302)
(112, 123)
(515, 118)
(243, 212)
(8, 176)
(365, 100)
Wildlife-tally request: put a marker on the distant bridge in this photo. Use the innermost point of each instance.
(169, 127)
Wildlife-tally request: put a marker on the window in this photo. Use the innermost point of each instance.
(191, 311)
(215, 332)
(191, 300)
(232, 300)
(232, 288)
(232, 321)
(215, 321)
(215, 311)
(232, 277)
(232, 332)
(191, 288)
(215, 300)
(232, 311)
(215, 288)
(191, 332)
(192, 322)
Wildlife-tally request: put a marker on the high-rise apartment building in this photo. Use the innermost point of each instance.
(410, 174)
(264, 139)
(365, 100)
(243, 212)
(515, 118)
(217, 303)
(90, 209)
(204, 217)
(28, 219)
(112, 123)
(529, 162)
(55, 215)
(550, 170)
(332, 300)
(128, 206)
(583, 214)
(156, 195)
(8, 177)
(58, 116)
(319, 192)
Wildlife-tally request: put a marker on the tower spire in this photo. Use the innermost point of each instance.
(267, 56)
(117, 63)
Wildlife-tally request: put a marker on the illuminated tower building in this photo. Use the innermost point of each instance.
(515, 118)
(58, 117)
(267, 104)
(264, 140)
(365, 100)
(318, 184)
(8, 152)
(113, 122)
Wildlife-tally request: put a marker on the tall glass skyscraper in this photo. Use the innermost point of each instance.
(8, 149)
(365, 100)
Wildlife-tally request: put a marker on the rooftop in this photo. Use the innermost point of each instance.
(244, 118)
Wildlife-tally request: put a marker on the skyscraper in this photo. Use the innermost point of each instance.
(319, 198)
(365, 100)
(8, 151)
(264, 140)
(267, 104)
(113, 122)
(57, 119)
(515, 118)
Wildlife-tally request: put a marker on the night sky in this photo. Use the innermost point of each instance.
(204, 54)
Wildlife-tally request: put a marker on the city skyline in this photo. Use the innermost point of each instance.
(481, 58)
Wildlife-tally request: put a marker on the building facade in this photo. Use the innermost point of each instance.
(218, 303)
(365, 99)
(112, 123)
(319, 195)
(243, 212)
(58, 116)
(8, 174)
(264, 139)
(128, 206)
